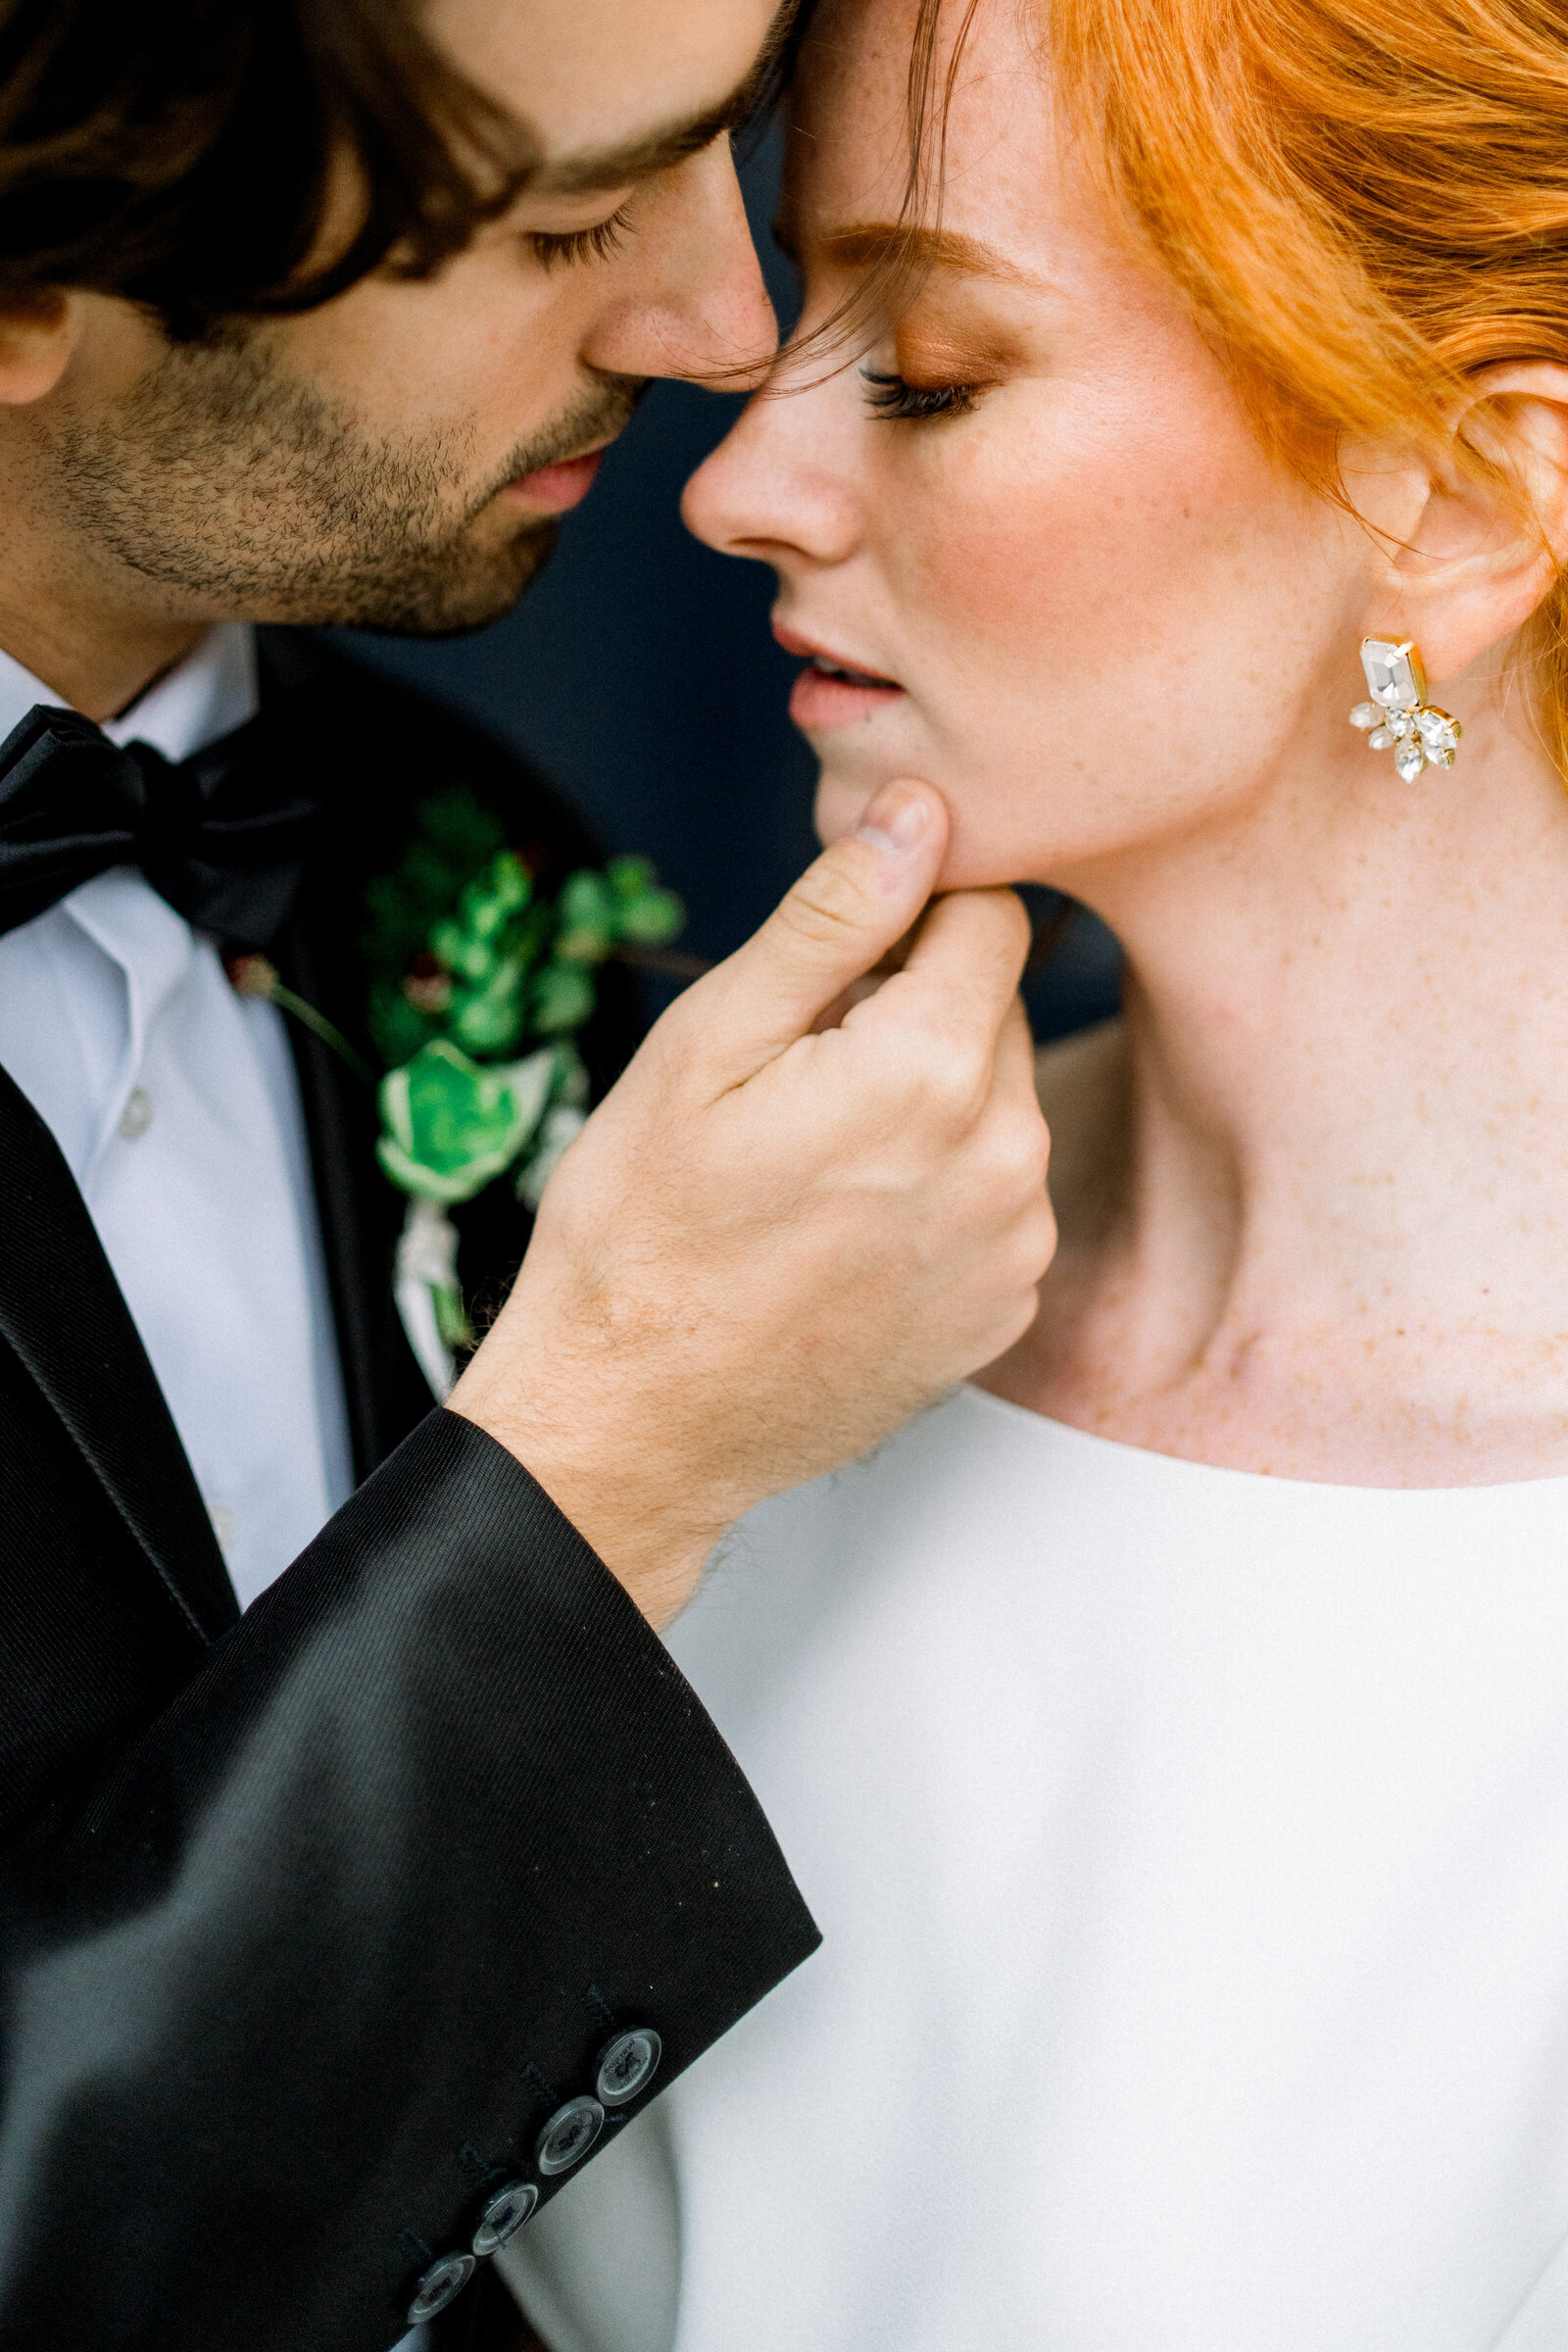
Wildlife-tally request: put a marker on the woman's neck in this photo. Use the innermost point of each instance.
(1315, 1206)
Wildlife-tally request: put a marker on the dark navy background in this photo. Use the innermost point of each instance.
(641, 673)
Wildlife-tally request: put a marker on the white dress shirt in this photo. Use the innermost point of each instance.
(176, 1105)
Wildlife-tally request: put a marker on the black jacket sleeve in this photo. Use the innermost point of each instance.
(300, 1977)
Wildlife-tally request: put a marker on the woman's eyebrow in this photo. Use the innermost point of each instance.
(881, 244)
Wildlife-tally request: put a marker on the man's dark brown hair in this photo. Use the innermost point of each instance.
(181, 153)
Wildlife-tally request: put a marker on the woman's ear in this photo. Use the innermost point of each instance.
(1480, 549)
(37, 333)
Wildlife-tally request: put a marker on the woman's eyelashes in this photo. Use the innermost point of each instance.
(894, 399)
(595, 244)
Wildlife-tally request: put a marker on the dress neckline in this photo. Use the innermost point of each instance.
(1183, 1466)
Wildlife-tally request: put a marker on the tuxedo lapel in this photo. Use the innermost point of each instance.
(367, 752)
(359, 1212)
(316, 708)
(64, 1315)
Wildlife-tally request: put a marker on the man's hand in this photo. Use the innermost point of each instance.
(769, 1246)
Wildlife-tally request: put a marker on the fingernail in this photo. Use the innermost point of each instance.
(896, 819)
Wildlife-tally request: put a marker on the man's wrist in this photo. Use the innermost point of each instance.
(611, 1482)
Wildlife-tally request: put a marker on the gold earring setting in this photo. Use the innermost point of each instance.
(1400, 714)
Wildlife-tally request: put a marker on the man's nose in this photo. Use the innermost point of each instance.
(698, 308)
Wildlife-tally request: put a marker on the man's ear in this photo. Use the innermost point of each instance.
(37, 333)
(1478, 551)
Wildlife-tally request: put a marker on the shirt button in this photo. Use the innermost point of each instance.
(441, 2284)
(504, 2215)
(137, 1116)
(628, 2064)
(568, 2135)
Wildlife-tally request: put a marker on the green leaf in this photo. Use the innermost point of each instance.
(454, 839)
(488, 1025)
(490, 901)
(489, 1022)
(562, 999)
(473, 959)
(586, 915)
(652, 920)
(481, 915)
(511, 881)
(396, 1028)
(629, 877)
(451, 1323)
(464, 832)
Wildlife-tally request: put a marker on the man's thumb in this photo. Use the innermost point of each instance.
(842, 916)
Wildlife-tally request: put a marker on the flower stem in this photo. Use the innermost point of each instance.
(320, 1026)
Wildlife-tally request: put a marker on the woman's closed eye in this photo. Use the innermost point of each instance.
(895, 399)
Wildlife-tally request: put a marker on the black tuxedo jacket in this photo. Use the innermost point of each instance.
(310, 1919)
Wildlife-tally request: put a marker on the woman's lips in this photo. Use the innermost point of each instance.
(555, 489)
(832, 691)
(818, 699)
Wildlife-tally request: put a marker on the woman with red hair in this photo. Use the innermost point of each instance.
(1171, 1731)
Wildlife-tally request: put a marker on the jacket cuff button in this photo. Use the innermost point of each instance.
(568, 2135)
(441, 2284)
(627, 2064)
(504, 2215)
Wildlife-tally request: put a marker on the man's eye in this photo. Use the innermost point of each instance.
(889, 397)
(595, 244)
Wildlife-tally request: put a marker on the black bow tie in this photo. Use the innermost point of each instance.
(212, 834)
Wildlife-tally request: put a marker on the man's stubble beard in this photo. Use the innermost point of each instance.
(239, 486)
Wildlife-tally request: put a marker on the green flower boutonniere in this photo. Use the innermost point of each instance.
(479, 985)
(451, 1125)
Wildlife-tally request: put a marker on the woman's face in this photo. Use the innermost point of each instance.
(1034, 508)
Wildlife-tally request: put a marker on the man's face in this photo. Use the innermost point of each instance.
(397, 458)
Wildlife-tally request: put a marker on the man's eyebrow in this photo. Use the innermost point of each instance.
(658, 151)
(663, 149)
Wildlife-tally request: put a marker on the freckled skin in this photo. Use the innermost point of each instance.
(1313, 1189)
(1081, 561)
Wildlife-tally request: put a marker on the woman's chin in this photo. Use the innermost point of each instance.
(843, 799)
(841, 802)
(969, 865)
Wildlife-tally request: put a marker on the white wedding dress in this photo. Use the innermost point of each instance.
(1191, 1849)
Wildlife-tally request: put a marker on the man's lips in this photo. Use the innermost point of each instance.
(832, 691)
(555, 489)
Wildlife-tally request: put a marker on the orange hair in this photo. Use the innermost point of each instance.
(1361, 201)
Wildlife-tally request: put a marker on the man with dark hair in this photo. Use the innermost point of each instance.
(363, 1859)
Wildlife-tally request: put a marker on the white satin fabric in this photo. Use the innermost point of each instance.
(1191, 1853)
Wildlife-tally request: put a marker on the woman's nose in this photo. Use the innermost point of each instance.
(775, 487)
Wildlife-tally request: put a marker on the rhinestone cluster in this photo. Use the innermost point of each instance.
(1400, 714)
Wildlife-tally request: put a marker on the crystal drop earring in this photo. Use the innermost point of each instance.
(1400, 714)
